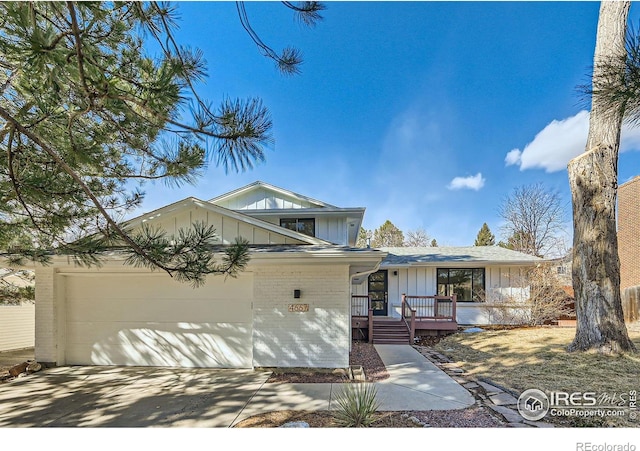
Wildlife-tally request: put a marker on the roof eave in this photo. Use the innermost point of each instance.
(235, 214)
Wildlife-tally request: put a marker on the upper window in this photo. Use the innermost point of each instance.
(306, 226)
(466, 284)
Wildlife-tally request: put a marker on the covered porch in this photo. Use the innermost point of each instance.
(420, 315)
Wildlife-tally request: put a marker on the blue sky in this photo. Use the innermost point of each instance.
(426, 113)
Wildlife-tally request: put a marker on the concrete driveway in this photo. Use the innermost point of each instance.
(91, 396)
(128, 397)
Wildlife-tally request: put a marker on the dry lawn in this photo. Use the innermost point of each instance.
(519, 359)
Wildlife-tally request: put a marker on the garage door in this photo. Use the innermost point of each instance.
(152, 320)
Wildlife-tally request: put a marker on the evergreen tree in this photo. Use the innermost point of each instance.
(485, 237)
(387, 235)
(434, 243)
(363, 237)
(85, 115)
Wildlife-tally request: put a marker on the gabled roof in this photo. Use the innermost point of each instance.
(191, 202)
(266, 186)
(431, 256)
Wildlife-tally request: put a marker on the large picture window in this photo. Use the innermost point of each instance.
(466, 284)
(306, 226)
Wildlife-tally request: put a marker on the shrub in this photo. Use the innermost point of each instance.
(537, 298)
(357, 405)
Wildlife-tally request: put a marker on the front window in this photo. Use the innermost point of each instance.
(306, 226)
(466, 284)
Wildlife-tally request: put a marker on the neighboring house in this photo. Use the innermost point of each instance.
(563, 270)
(293, 306)
(629, 246)
(17, 319)
(475, 274)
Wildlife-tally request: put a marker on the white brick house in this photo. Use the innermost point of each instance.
(291, 307)
(121, 315)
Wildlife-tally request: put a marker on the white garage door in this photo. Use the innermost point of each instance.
(152, 320)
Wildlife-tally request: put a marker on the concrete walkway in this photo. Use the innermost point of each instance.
(176, 397)
(414, 383)
(417, 384)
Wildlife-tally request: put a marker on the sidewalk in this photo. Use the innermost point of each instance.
(414, 383)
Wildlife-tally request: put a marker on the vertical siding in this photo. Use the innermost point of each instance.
(263, 199)
(215, 220)
(359, 289)
(421, 281)
(417, 281)
(332, 229)
(17, 326)
(227, 228)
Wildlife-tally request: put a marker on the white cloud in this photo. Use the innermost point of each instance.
(474, 182)
(630, 138)
(513, 157)
(560, 141)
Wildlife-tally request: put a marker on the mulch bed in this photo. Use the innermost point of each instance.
(362, 354)
(472, 417)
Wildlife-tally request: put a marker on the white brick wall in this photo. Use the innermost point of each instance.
(318, 338)
(17, 326)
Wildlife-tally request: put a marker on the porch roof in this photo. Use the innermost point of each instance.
(432, 256)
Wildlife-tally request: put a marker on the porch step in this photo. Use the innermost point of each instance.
(390, 332)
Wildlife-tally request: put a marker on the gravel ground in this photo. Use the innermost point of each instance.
(473, 417)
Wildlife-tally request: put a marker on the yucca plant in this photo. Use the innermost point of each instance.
(357, 405)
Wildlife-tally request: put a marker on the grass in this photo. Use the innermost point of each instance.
(519, 359)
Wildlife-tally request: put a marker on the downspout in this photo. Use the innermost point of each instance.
(358, 274)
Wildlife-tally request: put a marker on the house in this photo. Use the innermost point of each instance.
(629, 246)
(289, 308)
(474, 274)
(293, 306)
(17, 316)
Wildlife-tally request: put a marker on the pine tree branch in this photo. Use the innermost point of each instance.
(290, 60)
(79, 54)
(36, 139)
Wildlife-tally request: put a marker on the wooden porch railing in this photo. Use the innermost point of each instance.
(428, 308)
(360, 305)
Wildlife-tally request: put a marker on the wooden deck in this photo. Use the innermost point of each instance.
(421, 315)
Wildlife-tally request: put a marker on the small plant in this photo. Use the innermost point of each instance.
(357, 405)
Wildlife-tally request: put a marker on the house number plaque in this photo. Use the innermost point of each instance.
(298, 307)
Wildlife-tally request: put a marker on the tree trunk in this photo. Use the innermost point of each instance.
(593, 177)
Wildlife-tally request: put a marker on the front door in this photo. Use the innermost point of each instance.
(378, 292)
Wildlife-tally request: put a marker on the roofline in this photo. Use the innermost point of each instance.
(271, 211)
(460, 264)
(289, 256)
(189, 201)
(260, 183)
